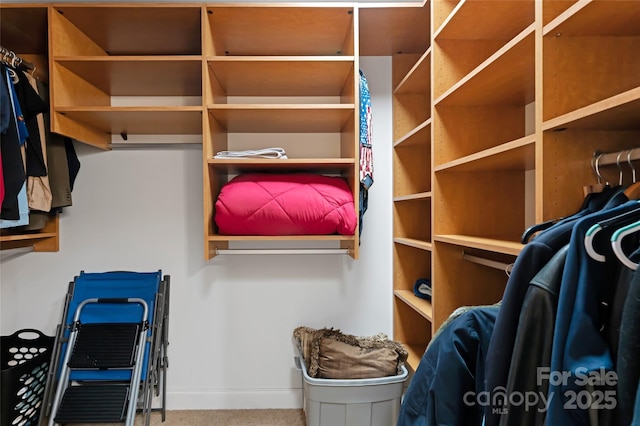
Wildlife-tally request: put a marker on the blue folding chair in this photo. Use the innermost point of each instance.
(111, 349)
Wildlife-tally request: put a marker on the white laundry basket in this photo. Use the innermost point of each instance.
(355, 402)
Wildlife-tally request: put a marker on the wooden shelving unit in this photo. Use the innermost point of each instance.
(412, 196)
(522, 99)
(104, 51)
(290, 71)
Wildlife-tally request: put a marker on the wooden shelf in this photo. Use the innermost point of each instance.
(311, 165)
(281, 30)
(30, 237)
(128, 29)
(505, 78)
(139, 75)
(514, 155)
(421, 306)
(415, 355)
(413, 197)
(386, 29)
(487, 244)
(268, 118)
(410, 242)
(216, 237)
(482, 20)
(420, 135)
(23, 28)
(619, 112)
(281, 75)
(138, 120)
(418, 79)
(597, 18)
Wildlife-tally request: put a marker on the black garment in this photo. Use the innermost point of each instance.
(12, 166)
(530, 261)
(72, 161)
(533, 344)
(32, 105)
(628, 360)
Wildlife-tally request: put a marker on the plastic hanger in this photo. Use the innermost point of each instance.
(621, 220)
(616, 243)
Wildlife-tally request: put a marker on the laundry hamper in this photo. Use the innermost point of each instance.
(26, 355)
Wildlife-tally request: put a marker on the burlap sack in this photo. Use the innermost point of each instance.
(330, 354)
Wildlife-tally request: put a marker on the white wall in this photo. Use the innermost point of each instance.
(231, 318)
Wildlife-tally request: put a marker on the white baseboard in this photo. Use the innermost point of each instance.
(234, 399)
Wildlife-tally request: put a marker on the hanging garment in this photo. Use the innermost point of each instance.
(38, 191)
(533, 344)
(628, 359)
(529, 262)
(366, 153)
(14, 210)
(447, 386)
(578, 346)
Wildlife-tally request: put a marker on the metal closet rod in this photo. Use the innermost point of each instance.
(621, 157)
(15, 60)
(487, 262)
(282, 251)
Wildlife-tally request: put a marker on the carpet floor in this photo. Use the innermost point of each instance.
(224, 418)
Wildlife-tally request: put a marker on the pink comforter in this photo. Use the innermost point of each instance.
(285, 204)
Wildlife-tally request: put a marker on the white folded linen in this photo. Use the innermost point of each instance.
(274, 153)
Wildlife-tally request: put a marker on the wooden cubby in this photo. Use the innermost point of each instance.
(24, 30)
(102, 53)
(291, 73)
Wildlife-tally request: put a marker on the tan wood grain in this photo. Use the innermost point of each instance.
(282, 76)
(389, 29)
(507, 77)
(580, 71)
(596, 18)
(280, 30)
(139, 75)
(268, 118)
(499, 20)
(138, 120)
(128, 29)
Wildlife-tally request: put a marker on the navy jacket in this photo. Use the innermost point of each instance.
(529, 262)
(445, 388)
(578, 345)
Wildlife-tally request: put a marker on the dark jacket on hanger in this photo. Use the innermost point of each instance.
(529, 262)
(628, 359)
(532, 347)
(578, 345)
(32, 105)
(447, 384)
(12, 165)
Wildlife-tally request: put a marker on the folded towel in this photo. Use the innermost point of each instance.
(275, 153)
(422, 288)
